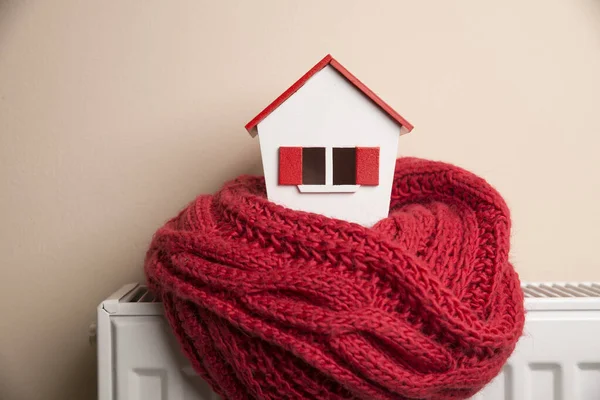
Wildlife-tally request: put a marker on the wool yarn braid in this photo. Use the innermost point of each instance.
(271, 303)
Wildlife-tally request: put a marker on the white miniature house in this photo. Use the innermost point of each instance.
(329, 146)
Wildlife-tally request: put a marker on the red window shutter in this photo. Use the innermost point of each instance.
(367, 166)
(290, 165)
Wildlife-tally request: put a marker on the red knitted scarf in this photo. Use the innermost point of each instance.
(271, 303)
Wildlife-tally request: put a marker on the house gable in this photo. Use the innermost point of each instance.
(328, 60)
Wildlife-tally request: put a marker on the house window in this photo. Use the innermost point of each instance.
(313, 165)
(344, 166)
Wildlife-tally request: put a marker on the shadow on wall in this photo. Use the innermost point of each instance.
(595, 10)
(8, 12)
(81, 373)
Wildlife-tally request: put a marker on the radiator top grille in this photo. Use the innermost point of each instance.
(561, 290)
(141, 294)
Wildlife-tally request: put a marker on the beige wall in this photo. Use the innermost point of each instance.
(114, 114)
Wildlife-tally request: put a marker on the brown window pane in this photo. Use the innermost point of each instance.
(313, 165)
(344, 166)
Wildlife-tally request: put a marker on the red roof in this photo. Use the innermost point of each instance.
(328, 60)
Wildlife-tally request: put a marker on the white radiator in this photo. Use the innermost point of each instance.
(558, 358)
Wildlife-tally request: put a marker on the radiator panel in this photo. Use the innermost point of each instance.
(148, 364)
(558, 357)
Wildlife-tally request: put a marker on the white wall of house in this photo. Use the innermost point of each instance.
(328, 111)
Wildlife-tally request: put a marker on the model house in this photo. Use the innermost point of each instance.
(329, 146)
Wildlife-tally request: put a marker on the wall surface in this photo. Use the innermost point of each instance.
(115, 114)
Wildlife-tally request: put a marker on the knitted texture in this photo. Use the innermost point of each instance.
(271, 303)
